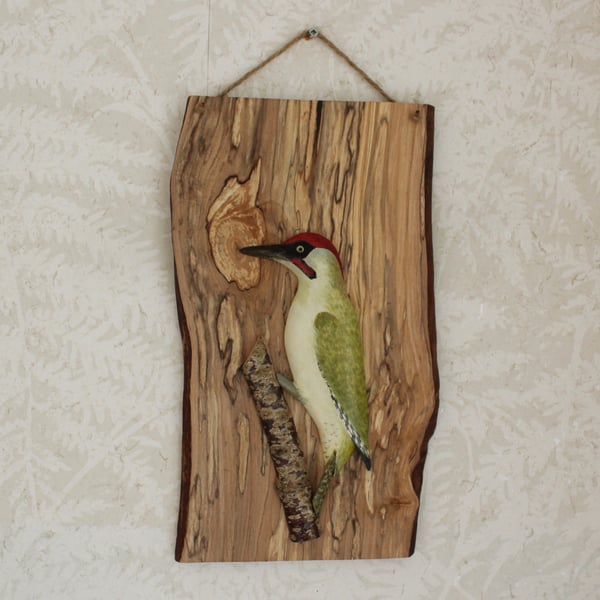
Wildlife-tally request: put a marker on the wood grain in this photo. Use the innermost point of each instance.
(360, 174)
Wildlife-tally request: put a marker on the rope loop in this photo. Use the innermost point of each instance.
(310, 34)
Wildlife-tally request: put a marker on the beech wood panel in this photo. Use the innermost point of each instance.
(250, 171)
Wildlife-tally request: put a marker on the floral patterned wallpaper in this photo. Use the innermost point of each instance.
(92, 96)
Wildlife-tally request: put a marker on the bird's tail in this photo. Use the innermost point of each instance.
(323, 486)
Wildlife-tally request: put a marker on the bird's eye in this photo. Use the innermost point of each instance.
(300, 249)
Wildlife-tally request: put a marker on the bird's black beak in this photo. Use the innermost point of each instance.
(273, 252)
(284, 253)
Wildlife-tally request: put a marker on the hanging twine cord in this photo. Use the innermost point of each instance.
(310, 34)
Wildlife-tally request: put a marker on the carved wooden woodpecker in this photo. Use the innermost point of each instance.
(324, 350)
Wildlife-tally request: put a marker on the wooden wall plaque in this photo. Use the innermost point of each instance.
(250, 171)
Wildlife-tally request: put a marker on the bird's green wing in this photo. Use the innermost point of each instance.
(340, 358)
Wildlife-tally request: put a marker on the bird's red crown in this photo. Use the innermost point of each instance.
(318, 241)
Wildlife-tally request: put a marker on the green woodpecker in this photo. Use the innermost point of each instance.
(324, 350)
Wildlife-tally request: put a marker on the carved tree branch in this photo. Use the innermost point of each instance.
(292, 479)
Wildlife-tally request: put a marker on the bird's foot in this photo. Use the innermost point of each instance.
(289, 387)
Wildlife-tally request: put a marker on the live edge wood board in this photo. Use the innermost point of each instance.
(250, 171)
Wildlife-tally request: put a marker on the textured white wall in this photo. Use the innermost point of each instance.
(92, 98)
